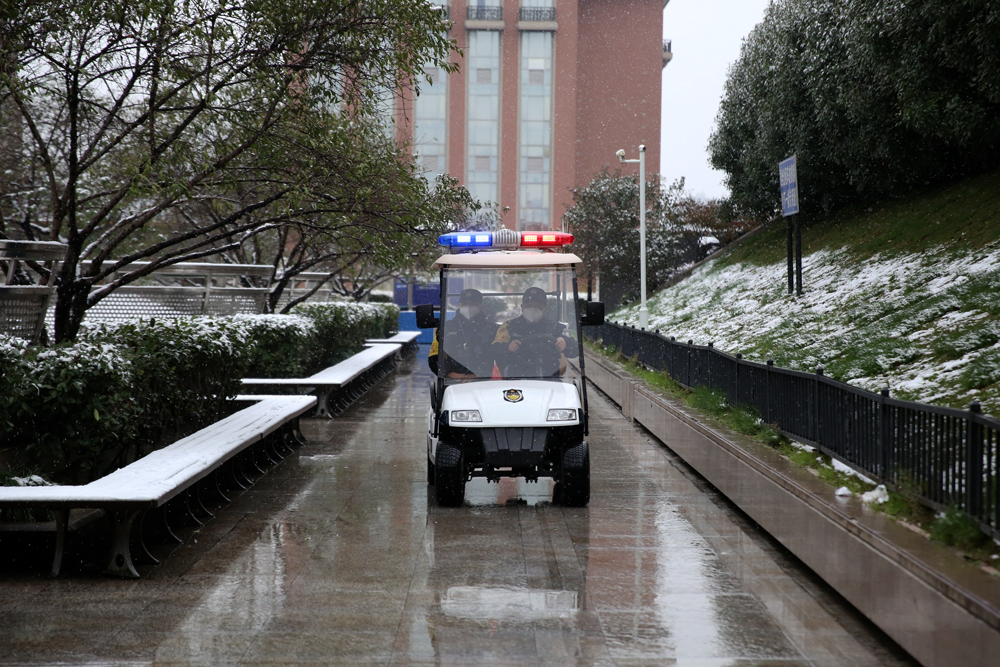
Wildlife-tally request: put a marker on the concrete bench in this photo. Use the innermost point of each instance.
(408, 339)
(264, 433)
(341, 384)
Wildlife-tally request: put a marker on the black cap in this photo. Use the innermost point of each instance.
(473, 296)
(534, 295)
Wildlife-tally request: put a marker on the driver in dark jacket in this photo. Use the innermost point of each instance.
(467, 340)
(532, 325)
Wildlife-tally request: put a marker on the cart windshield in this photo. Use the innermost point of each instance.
(509, 323)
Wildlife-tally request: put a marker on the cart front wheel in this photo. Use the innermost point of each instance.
(449, 475)
(573, 488)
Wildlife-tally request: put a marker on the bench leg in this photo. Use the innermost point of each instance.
(269, 460)
(120, 563)
(279, 445)
(297, 433)
(218, 486)
(275, 446)
(322, 406)
(140, 538)
(196, 491)
(237, 473)
(252, 455)
(167, 530)
(62, 523)
(190, 512)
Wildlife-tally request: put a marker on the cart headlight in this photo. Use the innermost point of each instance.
(465, 416)
(559, 415)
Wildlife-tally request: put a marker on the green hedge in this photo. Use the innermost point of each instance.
(78, 411)
(342, 327)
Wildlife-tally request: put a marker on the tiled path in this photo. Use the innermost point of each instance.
(340, 556)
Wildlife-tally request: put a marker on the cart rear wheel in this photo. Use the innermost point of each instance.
(449, 475)
(573, 488)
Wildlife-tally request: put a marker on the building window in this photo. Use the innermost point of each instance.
(430, 130)
(535, 191)
(483, 111)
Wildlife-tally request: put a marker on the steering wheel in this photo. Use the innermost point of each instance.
(537, 356)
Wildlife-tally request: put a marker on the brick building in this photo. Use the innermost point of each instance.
(546, 92)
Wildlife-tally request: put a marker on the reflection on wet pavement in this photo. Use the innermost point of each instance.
(340, 556)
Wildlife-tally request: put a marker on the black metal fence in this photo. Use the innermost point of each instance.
(948, 457)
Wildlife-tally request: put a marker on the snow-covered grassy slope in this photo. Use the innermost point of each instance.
(906, 296)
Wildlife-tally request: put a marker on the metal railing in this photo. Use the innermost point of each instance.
(537, 14)
(947, 457)
(304, 283)
(484, 13)
(186, 289)
(27, 285)
(667, 46)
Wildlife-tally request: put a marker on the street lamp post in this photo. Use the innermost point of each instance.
(643, 311)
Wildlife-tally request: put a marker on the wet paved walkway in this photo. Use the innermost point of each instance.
(340, 556)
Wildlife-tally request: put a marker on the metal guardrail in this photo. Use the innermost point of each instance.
(482, 13)
(186, 289)
(305, 282)
(667, 45)
(537, 14)
(947, 457)
(23, 307)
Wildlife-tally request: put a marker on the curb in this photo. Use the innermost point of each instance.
(941, 610)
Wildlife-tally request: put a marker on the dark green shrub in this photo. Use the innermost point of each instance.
(76, 409)
(281, 346)
(342, 327)
(184, 372)
(379, 298)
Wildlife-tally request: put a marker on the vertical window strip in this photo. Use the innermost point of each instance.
(535, 151)
(482, 176)
(430, 131)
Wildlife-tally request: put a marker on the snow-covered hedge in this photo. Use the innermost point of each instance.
(75, 412)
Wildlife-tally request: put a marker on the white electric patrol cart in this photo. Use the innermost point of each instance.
(510, 398)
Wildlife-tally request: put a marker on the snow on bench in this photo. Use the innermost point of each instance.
(408, 339)
(164, 474)
(344, 381)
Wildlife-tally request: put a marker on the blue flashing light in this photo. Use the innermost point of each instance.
(466, 240)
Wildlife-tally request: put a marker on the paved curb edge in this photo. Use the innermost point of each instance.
(943, 623)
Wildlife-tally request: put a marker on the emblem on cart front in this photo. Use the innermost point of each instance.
(513, 395)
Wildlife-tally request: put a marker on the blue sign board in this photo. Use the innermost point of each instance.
(789, 179)
(424, 291)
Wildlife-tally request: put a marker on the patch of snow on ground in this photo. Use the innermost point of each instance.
(848, 470)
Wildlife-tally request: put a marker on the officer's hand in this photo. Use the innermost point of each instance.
(514, 346)
(560, 344)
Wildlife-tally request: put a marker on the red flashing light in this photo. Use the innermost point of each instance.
(545, 239)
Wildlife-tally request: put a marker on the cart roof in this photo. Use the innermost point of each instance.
(506, 259)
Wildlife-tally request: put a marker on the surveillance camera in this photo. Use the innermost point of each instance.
(620, 153)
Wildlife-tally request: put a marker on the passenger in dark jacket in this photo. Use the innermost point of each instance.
(531, 345)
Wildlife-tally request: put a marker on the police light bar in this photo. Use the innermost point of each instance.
(505, 238)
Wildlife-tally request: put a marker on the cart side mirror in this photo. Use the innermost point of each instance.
(594, 317)
(425, 317)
